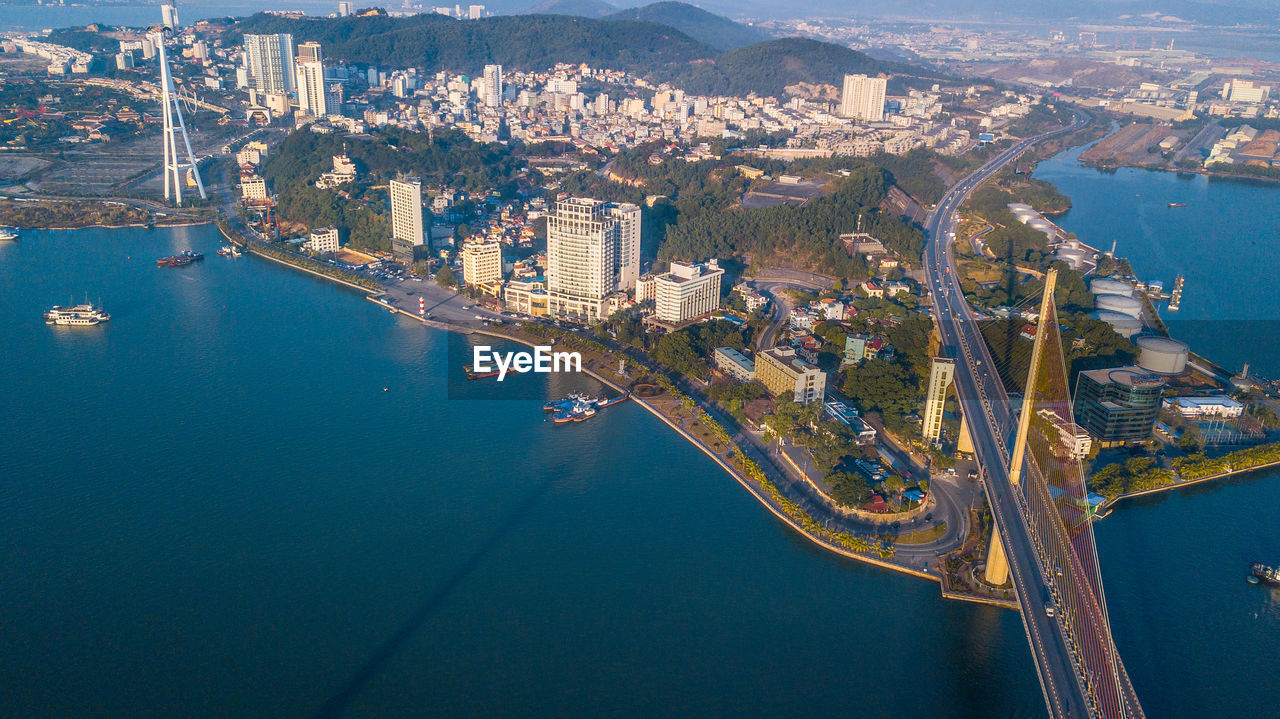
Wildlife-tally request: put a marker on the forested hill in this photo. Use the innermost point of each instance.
(767, 68)
(521, 42)
(537, 42)
(709, 28)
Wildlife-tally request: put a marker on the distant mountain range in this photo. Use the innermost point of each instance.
(713, 56)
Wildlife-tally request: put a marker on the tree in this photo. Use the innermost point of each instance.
(848, 488)
(881, 386)
(446, 277)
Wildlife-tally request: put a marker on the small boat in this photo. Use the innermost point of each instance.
(8, 234)
(472, 374)
(225, 250)
(1260, 572)
(1177, 204)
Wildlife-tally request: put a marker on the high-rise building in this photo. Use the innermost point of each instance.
(475, 12)
(481, 263)
(169, 16)
(863, 98)
(941, 373)
(492, 86)
(782, 372)
(406, 210)
(313, 93)
(687, 291)
(590, 255)
(269, 59)
(344, 9)
(1118, 405)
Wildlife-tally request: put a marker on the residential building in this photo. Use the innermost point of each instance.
(593, 252)
(735, 364)
(1074, 441)
(344, 9)
(492, 95)
(406, 210)
(783, 372)
(1118, 405)
(481, 263)
(269, 59)
(322, 241)
(527, 296)
(253, 187)
(169, 16)
(313, 93)
(687, 291)
(855, 349)
(647, 287)
(863, 98)
(941, 373)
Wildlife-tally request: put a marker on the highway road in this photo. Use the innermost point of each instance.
(982, 395)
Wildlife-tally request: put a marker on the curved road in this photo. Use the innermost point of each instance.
(982, 395)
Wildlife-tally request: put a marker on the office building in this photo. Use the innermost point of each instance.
(406, 210)
(1118, 405)
(941, 373)
(863, 98)
(592, 247)
(1215, 406)
(492, 90)
(687, 291)
(481, 263)
(322, 241)
(270, 62)
(784, 373)
(735, 364)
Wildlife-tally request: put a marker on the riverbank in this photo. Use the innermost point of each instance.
(1110, 504)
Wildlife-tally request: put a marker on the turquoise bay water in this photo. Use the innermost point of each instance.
(1196, 638)
(210, 508)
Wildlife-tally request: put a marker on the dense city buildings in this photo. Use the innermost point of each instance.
(788, 376)
(1118, 405)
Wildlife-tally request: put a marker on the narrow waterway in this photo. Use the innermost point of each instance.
(1197, 639)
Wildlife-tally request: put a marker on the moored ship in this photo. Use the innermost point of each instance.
(181, 260)
(1260, 572)
(80, 315)
(8, 234)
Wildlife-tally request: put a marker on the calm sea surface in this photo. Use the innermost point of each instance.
(209, 507)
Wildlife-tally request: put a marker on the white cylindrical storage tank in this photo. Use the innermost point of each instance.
(1124, 325)
(1162, 355)
(1107, 286)
(1074, 258)
(1118, 303)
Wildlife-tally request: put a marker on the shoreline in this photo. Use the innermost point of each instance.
(732, 472)
(1111, 503)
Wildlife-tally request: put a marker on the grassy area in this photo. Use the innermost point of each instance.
(981, 272)
(924, 536)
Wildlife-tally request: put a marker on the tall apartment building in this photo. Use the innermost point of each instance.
(345, 9)
(313, 94)
(781, 371)
(492, 86)
(481, 263)
(592, 250)
(863, 98)
(687, 291)
(270, 62)
(941, 374)
(1118, 405)
(406, 210)
(169, 16)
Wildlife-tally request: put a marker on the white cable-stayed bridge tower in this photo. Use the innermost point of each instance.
(174, 170)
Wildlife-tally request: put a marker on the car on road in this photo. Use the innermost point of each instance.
(479, 317)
